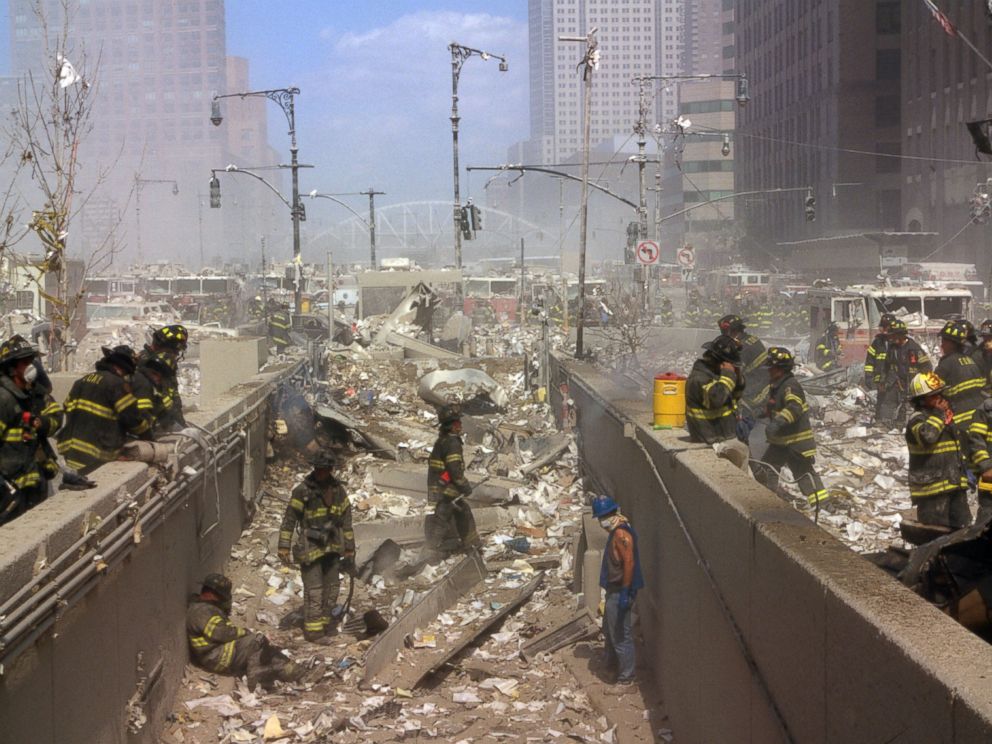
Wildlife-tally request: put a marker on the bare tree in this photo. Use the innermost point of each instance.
(52, 119)
(625, 327)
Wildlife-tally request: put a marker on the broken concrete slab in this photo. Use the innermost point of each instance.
(557, 445)
(331, 416)
(469, 572)
(476, 391)
(414, 348)
(410, 479)
(579, 627)
(408, 531)
(413, 679)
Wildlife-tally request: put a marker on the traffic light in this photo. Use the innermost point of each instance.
(214, 192)
(981, 203)
(476, 218)
(465, 224)
(633, 232)
(810, 206)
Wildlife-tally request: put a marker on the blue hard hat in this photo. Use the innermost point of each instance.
(603, 505)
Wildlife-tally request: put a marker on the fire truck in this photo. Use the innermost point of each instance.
(857, 310)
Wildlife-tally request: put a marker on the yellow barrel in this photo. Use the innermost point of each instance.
(669, 400)
(304, 304)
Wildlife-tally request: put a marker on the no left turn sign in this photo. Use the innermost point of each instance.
(647, 252)
(686, 258)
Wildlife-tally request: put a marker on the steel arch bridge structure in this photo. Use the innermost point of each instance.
(422, 230)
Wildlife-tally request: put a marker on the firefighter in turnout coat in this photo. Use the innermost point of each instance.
(171, 341)
(962, 378)
(980, 447)
(789, 435)
(452, 525)
(753, 356)
(937, 481)
(28, 416)
(102, 412)
(319, 510)
(219, 646)
(712, 392)
(904, 359)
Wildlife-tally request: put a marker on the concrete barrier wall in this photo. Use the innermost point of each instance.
(841, 652)
(73, 684)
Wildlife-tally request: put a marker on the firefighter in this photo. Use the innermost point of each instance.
(172, 340)
(452, 525)
(876, 352)
(28, 416)
(983, 355)
(320, 511)
(620, 576)
(153, 389)
(713, 390)
(790, 438)
(279, 324)
(937, 480)
(904, 359)
(102, 412)
(827, 351)
(753, 356)
(980, 447)
(667, 312)
(219, 646)
(962, 377)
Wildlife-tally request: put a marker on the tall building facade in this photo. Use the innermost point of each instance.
(825, 90)
(944, 86)
(636, 37)
(155, 66)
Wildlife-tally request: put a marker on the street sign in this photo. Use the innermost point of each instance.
(686, 257)
(687, 275)
(647, 252)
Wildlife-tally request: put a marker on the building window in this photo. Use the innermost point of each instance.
(887, 19)
(888, 165)
(888, 64)
(887, 112)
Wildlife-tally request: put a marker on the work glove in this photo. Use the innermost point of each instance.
(73, 481)
(745, 424)
(626, 599)
(284, 556)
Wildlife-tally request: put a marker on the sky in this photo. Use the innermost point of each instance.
(375, 81)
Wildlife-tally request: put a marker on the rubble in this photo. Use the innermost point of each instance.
(470, 685)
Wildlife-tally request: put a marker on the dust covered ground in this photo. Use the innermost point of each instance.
(489, 693)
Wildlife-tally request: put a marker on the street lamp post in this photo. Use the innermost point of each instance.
(459, 54)
(589, 63)
(369, 224)
(285, 99)
(742, 96)
(139, 184)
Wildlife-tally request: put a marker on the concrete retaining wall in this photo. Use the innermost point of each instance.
(845, 653)
(72, 685)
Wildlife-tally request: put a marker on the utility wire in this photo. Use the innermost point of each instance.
(950, 240)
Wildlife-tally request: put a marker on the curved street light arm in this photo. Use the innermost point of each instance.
(273, 189)
(283, 97)
(524, 168)
(317, 195)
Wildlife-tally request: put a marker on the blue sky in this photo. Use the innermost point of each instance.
(375, 80)
(375, 86)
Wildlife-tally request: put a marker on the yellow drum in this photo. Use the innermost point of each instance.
(304, 304)
(669, 400)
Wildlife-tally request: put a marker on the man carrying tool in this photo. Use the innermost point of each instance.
(790, 438)
(620, 575)
(319, 508)
(712, 392)
(937, 481)
(219, 646)
(452, 526)
(827, 353)
(904, 359)
(753, 356)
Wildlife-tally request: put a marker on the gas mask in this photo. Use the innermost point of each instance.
(605, 522)
(30, 374)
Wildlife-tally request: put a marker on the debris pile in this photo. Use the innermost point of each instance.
(449, 674)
